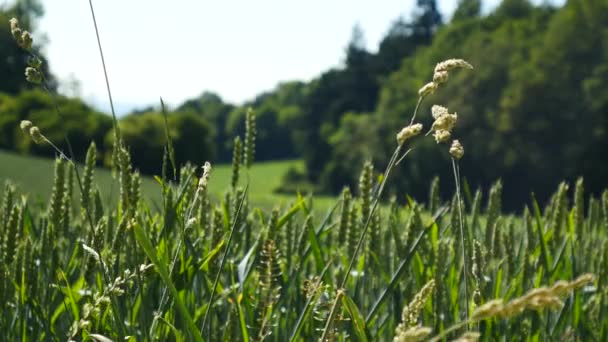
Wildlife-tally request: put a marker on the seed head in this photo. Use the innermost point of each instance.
(456, 150)
(36, 136)
(33, 75)
(25, 126)
(442, 135)
(202, 182)
(471, 336)
(438, 111)
(427, 89)
(413, 334)
(26, 40)
(450, 64)
(440, 77)
(15, 29)
(445, 122)
(408, 132)
(14, 23)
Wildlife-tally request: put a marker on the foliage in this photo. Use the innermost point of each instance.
(97, 279)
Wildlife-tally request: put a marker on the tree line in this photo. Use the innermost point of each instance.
(534, 112)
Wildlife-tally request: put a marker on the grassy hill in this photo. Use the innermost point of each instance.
(31, 175)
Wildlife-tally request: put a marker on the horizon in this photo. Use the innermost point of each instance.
(230, 59)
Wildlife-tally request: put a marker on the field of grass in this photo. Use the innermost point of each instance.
(32, 175)
(181, 261)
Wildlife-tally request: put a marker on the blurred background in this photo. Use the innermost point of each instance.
(331, 84)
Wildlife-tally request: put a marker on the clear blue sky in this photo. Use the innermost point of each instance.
(178, 49)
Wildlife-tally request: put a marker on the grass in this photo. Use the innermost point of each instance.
(26, 173)
(254, 269)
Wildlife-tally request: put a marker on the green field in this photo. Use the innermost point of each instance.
(32, 176)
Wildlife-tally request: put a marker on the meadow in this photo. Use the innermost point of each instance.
(217, 256)
(24, 171)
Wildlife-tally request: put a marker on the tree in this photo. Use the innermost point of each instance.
(467, 9)
(13, 60)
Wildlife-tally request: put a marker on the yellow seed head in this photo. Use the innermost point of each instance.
(33, 75)
(438, 111)
(408, 132)
(427, 89)
(26, 41)
(413, 334)
(456, 150)
(36, 136)
(25, 126)
(202, 182)
(450, 64)
(471, 336)
(582, 280)
(489, 309)
(14, 23)
(445, 122)
(440, 77)
(442, 135)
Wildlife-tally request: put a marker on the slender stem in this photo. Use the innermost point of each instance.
(390, 166)
(416, 109)
(226, 250)
(332, 315)
(105, 71)
(456, 170)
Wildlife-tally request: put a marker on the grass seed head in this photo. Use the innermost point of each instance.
(442, 135)
(456, 150)
(427, 89)
(408, 132)
(413, 334)
(26, 40)
(33, 75)
(36, 136)
(470, 336)
(450, 64)
(26, 125)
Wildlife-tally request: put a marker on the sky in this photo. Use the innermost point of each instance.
(178, 49)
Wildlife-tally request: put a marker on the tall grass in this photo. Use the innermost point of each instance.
(203, 268)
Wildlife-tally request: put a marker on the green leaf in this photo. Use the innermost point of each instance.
(146, 245)
(357, 318)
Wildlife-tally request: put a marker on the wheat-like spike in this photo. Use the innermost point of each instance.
(344, 215)
(87, 177)
(269, 288)
(135, 191)
(605, 207)
(352, 233)
(125, 179)
(271, 226)
(7, 204)
(434, 196)
(56, 203)
(409, 316)
(477, 270)
(97, 205)
(12, 236)
(493, 211)
(250, 135)
(67, 199)
(237, 154)
(365, 189)
(579, 209)
(559, 212)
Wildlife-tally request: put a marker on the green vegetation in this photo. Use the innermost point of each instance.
(539, 86)
(26, 173)
(217, 256)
